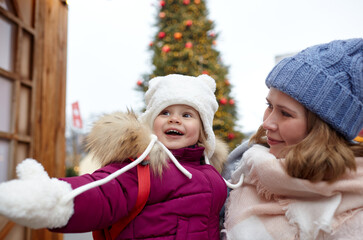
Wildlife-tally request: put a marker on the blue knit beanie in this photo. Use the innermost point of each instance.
(328, 80)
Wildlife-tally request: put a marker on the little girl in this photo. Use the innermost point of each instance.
(185, 196)
(303, 171)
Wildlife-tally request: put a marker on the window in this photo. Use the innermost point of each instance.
(16, 84)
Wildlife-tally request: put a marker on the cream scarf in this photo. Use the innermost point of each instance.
(272, 205)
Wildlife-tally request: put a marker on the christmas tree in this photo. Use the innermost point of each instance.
(185, 43)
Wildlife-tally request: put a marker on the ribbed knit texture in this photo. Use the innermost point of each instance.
(328, 80)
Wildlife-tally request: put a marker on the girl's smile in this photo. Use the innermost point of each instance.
(178, 126)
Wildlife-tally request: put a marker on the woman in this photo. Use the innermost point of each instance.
(303, 171)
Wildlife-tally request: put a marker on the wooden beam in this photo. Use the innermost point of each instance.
(6, 229)
(49, 77)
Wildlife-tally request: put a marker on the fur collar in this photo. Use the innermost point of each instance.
(118, 136)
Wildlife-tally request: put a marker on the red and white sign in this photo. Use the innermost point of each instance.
(76, 115)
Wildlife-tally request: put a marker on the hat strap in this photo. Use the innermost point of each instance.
(175, 161)
(229, 184)
(154, 139)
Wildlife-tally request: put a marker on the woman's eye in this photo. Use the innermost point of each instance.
(269, 105)
(286, 114)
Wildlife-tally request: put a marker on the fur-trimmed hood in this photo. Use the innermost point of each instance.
(119, 136)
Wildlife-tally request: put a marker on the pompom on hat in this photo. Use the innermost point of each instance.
(196, 92)
(328, 80)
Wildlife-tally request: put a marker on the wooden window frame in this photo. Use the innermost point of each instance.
(44, 136)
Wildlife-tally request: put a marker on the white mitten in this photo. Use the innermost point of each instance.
(34, 200)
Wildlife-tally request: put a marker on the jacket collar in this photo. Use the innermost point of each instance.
(188, 153)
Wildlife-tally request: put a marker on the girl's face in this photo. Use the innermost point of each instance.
(285, 121)
(177, 126)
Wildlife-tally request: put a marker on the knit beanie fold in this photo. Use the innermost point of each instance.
(328, 80)
(196, 92)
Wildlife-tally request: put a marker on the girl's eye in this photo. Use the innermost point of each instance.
(187, 115)
(165, 113)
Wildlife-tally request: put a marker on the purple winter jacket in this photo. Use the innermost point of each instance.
(177, 208)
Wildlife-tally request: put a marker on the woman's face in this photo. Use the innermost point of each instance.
(285, 121)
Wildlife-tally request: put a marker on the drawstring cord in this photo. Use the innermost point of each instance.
(175, 161)
(154, 139)
(229, 184)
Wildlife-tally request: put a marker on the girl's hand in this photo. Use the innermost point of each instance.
(33, 200)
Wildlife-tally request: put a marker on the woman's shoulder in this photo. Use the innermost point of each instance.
(234, 157)
(350, 229)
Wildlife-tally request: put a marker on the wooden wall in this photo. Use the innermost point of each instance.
(38, 80)
(49, 112)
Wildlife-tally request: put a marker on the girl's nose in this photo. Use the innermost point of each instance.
(174, 119)
(270, 122)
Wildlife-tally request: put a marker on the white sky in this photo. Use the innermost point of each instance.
(108, 42)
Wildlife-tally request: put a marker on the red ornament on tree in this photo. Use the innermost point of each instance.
(165, 48)
(139, 82)
(161, 35)
(196, 1)
(162, 3)
(151, 44)
(212, 34)
(178, 35)
(359, 138)
(189, 45)
(205, 72)
(188, 23)
(231, 136)
(231, 101)
(162, 14)
(186, 2)
(226, 81)
(223, 101)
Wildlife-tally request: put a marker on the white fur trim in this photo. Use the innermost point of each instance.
(197, 92)
(33, 199)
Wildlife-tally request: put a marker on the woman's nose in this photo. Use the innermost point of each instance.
(270, 122)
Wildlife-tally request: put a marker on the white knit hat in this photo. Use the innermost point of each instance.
(196, 92)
